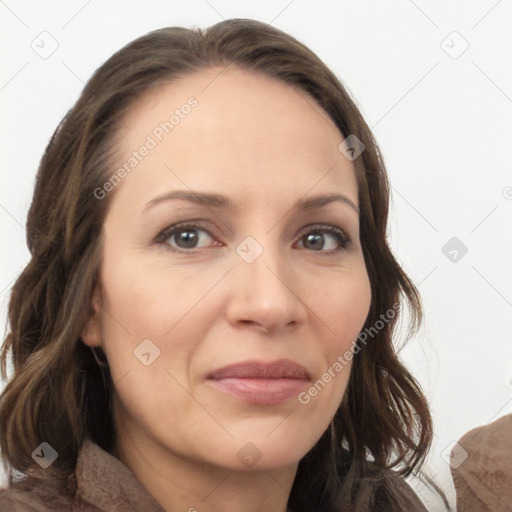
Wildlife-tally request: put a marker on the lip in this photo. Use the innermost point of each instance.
(261, 382)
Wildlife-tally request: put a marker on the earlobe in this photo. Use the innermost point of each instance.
(91, 334)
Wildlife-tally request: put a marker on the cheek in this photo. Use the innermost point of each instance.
(137, 310)
(346, 304)
(146, 337)
(146, 299)
(151, 301)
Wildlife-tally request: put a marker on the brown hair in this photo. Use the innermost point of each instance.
(61, 389)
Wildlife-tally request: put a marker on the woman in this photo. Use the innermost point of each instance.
(206, 321)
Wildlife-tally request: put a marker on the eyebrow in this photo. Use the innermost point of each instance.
(220, 202)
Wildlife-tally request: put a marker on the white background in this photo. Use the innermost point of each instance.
(443, 125)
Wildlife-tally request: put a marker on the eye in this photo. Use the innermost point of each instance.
(183, 237)
(316, 240)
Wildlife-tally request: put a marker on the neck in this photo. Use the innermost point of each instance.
(181, 484)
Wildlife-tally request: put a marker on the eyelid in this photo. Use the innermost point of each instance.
(167, 232)
(345, 239)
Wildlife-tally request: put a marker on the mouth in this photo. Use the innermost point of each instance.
(259, 382)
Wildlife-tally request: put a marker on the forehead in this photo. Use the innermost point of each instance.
(233, 128)
(234, 92)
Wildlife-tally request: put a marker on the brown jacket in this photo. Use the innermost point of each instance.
(102, 483)
(482, 468)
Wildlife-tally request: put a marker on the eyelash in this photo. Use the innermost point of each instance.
(161, 239)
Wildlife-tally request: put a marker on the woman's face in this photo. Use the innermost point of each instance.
(216, 330)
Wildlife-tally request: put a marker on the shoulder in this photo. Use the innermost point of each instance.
(481, 465)
(396, 490)
(31, 495)
(485, 448)
(488, 436)
(374, 488)
(410, 496)
(381, 488)
(34, 495)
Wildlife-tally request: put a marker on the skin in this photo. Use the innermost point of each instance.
(264, 145)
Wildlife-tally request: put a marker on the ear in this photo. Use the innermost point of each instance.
(91, 334)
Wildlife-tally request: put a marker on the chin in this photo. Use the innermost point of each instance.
(266, 442)
(268, 453)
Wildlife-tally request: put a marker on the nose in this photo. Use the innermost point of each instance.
(266, 293)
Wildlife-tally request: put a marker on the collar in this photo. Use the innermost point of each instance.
(105, 482)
